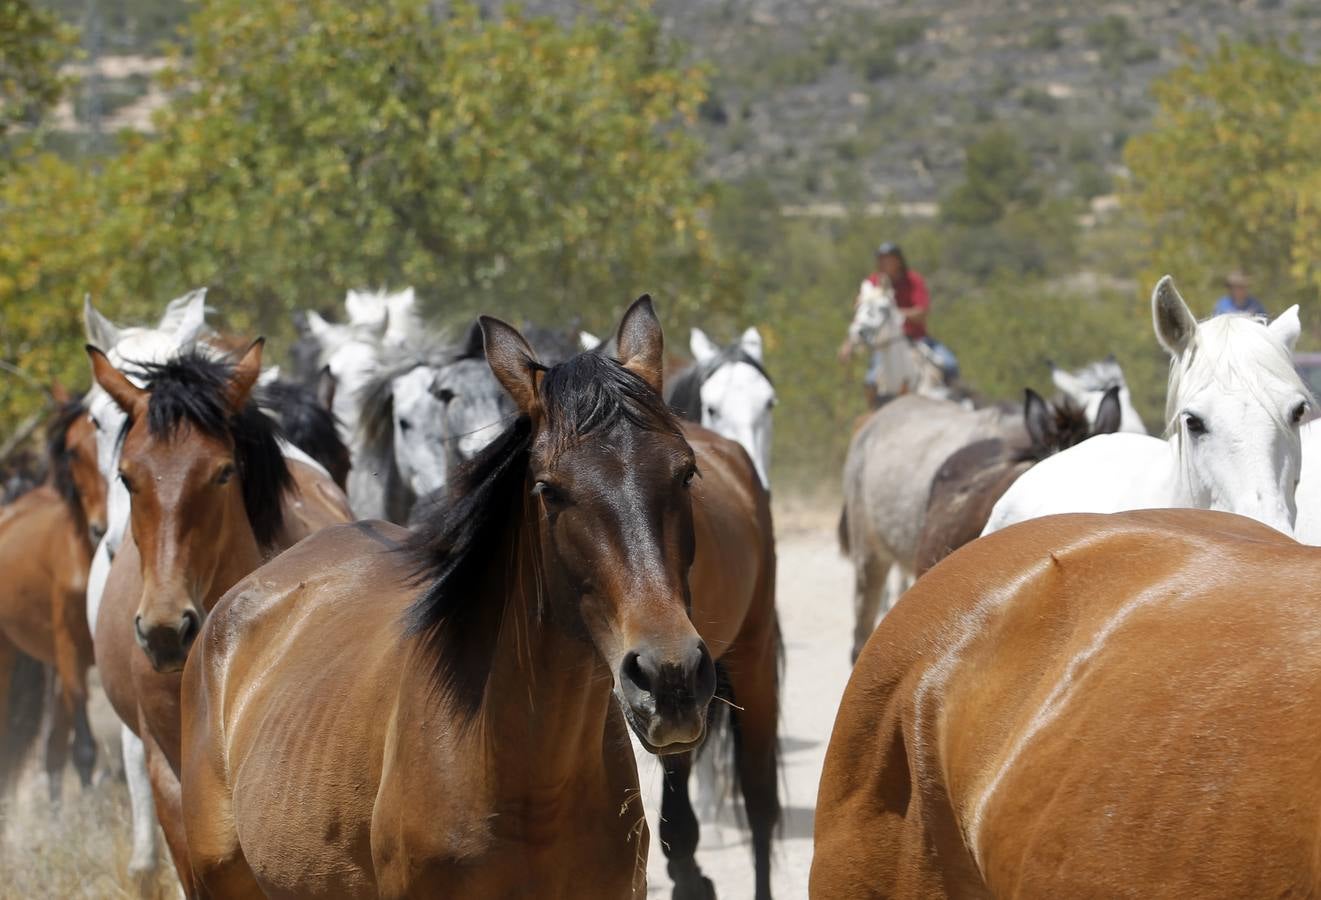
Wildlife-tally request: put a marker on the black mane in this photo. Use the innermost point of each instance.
(189, 390)
(306, 424)
(466, 547)
(58, 456)
(685, 388)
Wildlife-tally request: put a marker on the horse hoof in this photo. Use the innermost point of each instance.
(699, 888)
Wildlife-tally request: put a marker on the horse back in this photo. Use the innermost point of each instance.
(1086, 706)
(295, 675)
(732, 577)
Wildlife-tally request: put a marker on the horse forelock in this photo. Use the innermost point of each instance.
(1233, 352)
(189, 391)
(461, 552)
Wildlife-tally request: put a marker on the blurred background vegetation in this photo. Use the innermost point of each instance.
(740, 160)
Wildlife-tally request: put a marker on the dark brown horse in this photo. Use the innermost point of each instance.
(1089, 706)
(972, 479)
(45, 551)
(446, 714)
(212, 499)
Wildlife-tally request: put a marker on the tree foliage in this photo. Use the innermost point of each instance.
(32, 46)
(1228, 179)
(509, 164)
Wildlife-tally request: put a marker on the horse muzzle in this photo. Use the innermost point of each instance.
(665, 695)
(166, 644)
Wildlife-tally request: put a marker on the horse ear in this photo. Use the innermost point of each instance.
(1109, 414)
(474, 346)
(99, 330)
(325, 388)
(127, 395)
(58, 392)
(641, 343)
(1286, 327)
(1038, 420)
(750, 341)
(701, 345)
(246, 372)
(513, 363)
(1068, 383)
(588, 341)
(364, 308)
(1175, 323)
(318, 327)
(185, 317)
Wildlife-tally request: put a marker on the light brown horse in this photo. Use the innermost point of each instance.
(1086, 706)
(450, 720)
(45, 551)
(212, 499)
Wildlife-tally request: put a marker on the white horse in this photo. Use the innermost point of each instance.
(898, 365)
(180, 327)
(728, 390)
(1234, 408)
(1087, 387)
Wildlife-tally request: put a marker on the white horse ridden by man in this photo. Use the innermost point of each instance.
(1087, 387)
(897, 365)
(1233, 410)
(729, 391)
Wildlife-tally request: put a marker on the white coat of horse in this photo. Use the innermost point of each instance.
(1234, 408)
(733, 393)
(1087, 387)
(896, 365)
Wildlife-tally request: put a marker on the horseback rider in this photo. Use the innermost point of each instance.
(913, 301)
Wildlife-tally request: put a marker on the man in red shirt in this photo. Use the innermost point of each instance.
(910, 289)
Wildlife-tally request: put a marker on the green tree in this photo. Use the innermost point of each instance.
(997, 177)
(500, 164)
(1227, 178)
(32, 46)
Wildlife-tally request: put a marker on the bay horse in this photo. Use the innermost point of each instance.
(968, 484)
(728, 390)
(46, 539)
(468, 735)
(1086, 705)
(1233, 411)
(212, 497)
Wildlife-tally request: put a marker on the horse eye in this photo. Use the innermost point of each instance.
(226, 472)
(689, 474)
(405, 425)
(771, 403)
(549, 493)
(711, 412)
(128, 485)
(1195, 425)
(1298, 412)
(445, 395)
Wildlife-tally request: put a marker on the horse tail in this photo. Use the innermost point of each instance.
(22, 725)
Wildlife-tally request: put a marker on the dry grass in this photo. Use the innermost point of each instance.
(81, 849)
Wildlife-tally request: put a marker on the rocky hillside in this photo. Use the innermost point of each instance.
(850, 101)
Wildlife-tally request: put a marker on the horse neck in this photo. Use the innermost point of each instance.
(547, 701)
(237, 550)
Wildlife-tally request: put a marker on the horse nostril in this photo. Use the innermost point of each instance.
(632, 672)
(188, 628)
(704, 681)
(137, 630)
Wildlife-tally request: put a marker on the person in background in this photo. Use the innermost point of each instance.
(1237, 299)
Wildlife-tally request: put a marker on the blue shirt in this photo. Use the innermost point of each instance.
(1226, 305)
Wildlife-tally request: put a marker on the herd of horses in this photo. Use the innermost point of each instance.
(392, 624)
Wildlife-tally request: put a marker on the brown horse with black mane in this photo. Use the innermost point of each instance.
(445, 714)
(213, 498)
(1084, 706)
(46, 540)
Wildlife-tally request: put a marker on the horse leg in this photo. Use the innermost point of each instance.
(71, 663)
(57, 726)
(869, 576)
(84, 744)
(165, 792)
(679, 831)
(752, 664)
(142, 864)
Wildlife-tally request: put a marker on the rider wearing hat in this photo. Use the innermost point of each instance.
(1237, 299)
